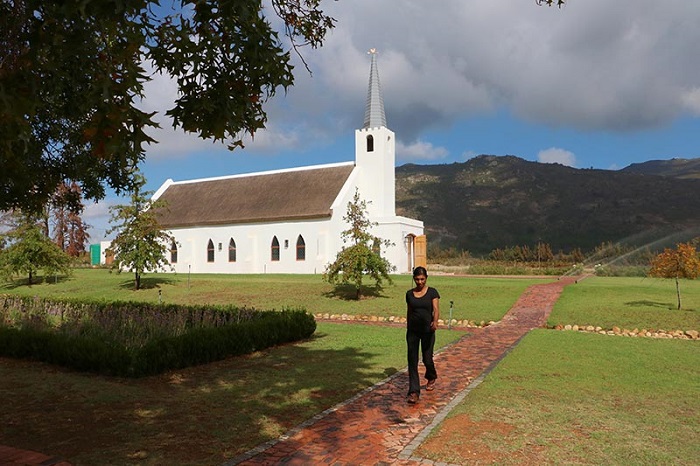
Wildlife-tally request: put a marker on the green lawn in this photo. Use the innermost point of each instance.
(559, 397)
(629, 303)
(474, 298)
(197, 416)
(573, 398)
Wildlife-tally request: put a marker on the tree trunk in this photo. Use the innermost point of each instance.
(30, 277)
(137, 281)
(678, 292)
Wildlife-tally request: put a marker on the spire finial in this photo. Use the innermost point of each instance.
(374, 110)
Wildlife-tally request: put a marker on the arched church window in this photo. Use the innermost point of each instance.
(173, 252)
(232, 251)
(370, 143)
(275, 250)
(210, 251)
(301, 249)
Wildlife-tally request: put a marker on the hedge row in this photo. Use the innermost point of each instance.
(40, 330)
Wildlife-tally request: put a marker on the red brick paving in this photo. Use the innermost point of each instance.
(378, 427)
(14, 457)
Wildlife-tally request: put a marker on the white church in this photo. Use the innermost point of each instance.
(290, 221)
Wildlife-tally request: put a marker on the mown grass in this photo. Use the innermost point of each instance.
(630, 303)
(474, 298)
(571, 398)
(197, 416)
(561, 397)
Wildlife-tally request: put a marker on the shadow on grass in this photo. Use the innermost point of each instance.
(286, 386)
(660, 305)
(349, 293)
(389, 371)
(229, 406)
(647, 303)
(147, 283)
(21, 282)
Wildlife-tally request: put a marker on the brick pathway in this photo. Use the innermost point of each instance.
(377, 427)
(14, 457)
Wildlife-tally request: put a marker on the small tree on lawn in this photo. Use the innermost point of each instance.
(362, 256)
(682, 262)
(140, 244)
(30, 250)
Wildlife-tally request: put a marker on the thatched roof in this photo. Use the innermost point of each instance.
(274, 196)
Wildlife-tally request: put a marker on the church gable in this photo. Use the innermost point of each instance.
(277, 196)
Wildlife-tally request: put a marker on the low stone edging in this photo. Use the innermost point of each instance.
(399, 320)
(645, 333)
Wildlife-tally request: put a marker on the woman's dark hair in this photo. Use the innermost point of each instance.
(420, 271)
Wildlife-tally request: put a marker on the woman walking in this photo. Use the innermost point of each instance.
(422, 315)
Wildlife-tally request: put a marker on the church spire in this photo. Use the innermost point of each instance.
(374, 110)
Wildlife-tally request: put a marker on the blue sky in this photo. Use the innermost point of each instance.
(595, 84)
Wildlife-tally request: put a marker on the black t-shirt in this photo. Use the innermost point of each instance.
(420, 310)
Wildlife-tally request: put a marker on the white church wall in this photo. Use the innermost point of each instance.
(322, 240)
(376, 170)
(397, 229)
(104, 245)
(254, 247)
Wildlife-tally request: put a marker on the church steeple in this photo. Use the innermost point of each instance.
(375, 153)
(374, 110)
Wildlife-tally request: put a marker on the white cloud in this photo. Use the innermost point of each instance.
(592, 65)
(272, 139)
(175, 143)
(596, 65)
(691, 100)
(556, 155)
(420, 150)
(94, 210)
(97, 215)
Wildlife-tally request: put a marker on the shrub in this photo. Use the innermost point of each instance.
(132, 339)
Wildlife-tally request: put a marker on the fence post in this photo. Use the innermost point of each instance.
(449, 325)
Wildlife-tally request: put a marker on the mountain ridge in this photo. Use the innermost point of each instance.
(491, 202)
(676, 167)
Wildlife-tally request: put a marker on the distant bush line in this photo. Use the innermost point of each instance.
(608, 259)
(138, 339)
(485, 267)
(542, 254)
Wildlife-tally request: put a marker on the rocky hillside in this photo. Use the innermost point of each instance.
(497, 201)
(677, 168)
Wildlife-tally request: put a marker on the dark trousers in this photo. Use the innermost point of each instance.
(426, 341)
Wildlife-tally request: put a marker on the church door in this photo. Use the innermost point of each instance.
(420, 251)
